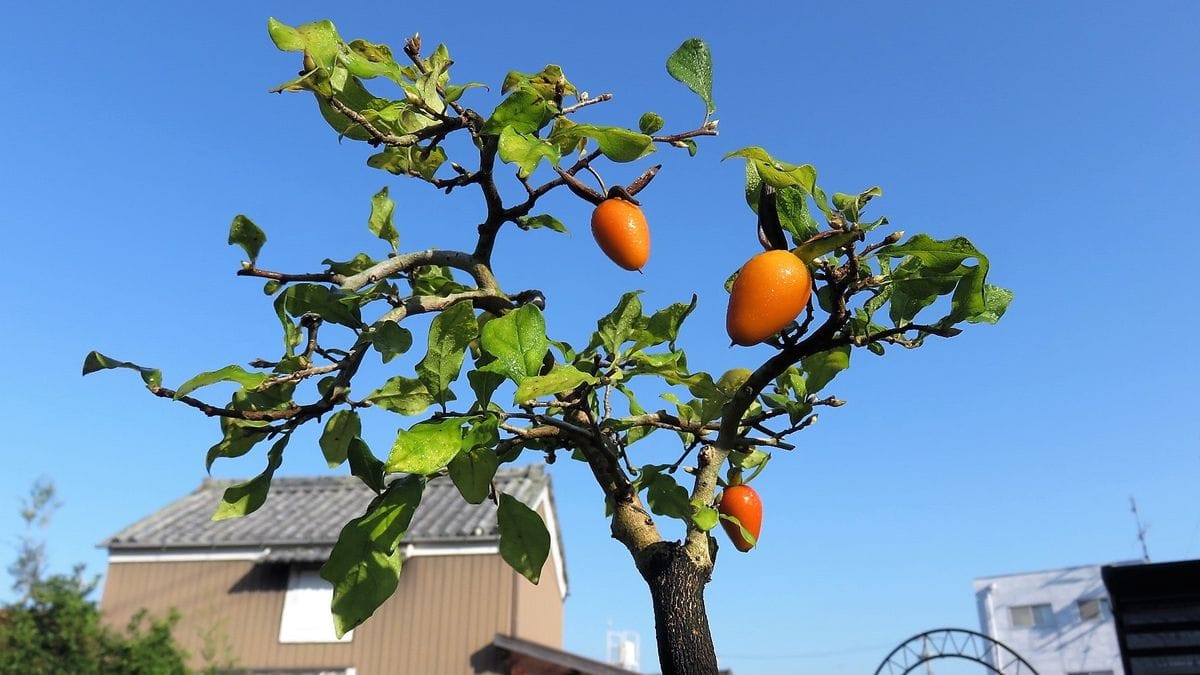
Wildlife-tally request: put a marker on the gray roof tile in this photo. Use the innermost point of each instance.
(310, 512)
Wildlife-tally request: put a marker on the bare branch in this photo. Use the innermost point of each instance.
(320, 277)
(586, 102)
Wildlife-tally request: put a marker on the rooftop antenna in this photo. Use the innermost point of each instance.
(622, 648)
(1141, 529)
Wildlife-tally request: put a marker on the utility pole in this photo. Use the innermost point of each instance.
(1141, 529)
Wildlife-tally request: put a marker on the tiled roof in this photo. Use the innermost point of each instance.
(306, 514)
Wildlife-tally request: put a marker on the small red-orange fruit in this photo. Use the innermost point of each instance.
(741, 502)
(769, 293)
(621, 231)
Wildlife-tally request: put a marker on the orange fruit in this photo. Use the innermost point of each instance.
(741, 502)
(768, 294)
(621, 231)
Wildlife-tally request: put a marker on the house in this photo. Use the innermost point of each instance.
(1060, 621)
(248, 590)
(1157, 612)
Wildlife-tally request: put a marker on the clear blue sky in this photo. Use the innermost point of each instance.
(1061, 138)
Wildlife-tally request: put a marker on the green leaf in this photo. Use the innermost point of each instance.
(390, 339)
(291, 333)
(560, 378)
(434, 280)
(321, 41)
(824, 243)
(426, 447)
(525, 150)
(665, 497)
(791, 203)
(245, 498)
(301, 299)
(412, 160)
(367, 60)
(96, 361)
(705, 517)
(778, 175)
(364, 566)
(851, 206)
(449, 334)
(548, 83)
(544, 220)
(691, 64)
(995, 303)
(237, 437)
(358, 263)
(365, 465)
(472, 472)
(285, 37)
(821, 368)
(619, 325)
(934, 254)
(753, 186)
(664, 324)
(484, 384)
(650, 123)
(380, 223)
(246, 234)
(524, 111)
(341, 430)
(231, 373)
(518, 342)
(455, 91)
(616, 143)
(402, 395)
(524, 539)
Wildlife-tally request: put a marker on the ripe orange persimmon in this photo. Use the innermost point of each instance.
(620, 229)
(741, 502)
(768, 294)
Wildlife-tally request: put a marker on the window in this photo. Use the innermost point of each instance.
(1095, 609)
(1026, 616)
(306, 615)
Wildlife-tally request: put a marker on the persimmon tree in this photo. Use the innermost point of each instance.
(528, 392)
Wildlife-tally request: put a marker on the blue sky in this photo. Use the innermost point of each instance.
(1061, 138)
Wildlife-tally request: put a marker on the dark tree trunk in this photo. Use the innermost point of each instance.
(685, 645)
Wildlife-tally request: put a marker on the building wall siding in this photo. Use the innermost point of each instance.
(1069, 644)
(446, 609)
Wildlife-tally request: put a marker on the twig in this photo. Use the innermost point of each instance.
(321, 277)
(583, 103)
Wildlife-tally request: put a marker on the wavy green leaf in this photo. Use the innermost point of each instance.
(244, 233)
(403, 395)
(525, 150)
(518, 342)
(95, 361)
(560, 378)
(230, 373)
(245, 498)
(380, 222)
(364, 566)
(691, 64)
(449, 334)
(524, 539)
(426, 448)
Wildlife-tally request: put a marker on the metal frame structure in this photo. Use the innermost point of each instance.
(954, 643)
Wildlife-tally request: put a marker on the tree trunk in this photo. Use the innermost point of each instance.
(685, 645)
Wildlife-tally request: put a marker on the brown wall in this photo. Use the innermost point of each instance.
(445, 609)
